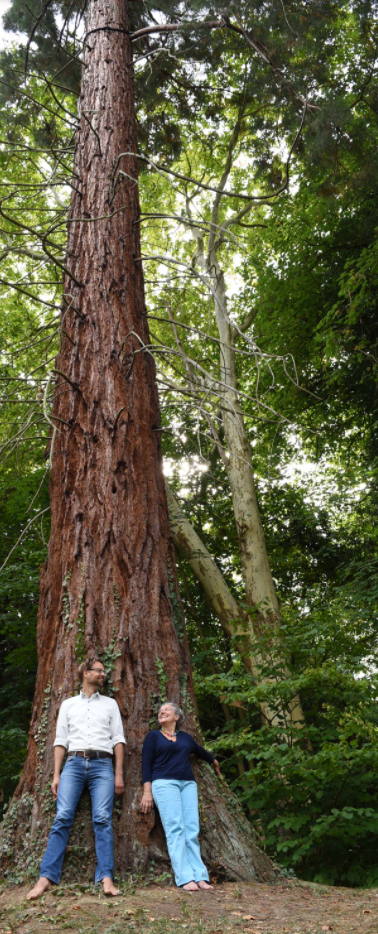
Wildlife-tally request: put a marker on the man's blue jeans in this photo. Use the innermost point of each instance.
(178, 808)
(97, 775)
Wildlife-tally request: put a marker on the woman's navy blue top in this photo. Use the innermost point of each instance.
(162, 758)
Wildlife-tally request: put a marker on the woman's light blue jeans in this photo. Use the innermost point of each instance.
(177, 802)
(98, 775)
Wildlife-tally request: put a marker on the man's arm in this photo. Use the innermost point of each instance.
(60, 746)
(118, 741)
(61, 738)
(119, 785)
(59, 753)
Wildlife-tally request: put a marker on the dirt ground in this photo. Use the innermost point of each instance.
(283, 908)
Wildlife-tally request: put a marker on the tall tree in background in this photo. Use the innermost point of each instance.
(109, 582)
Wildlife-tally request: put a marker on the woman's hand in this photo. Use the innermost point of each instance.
(147, 802)
(217, 768)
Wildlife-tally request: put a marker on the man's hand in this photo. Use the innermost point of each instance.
(147, 802)
(119, 785)
(55, 785)
(217, 768)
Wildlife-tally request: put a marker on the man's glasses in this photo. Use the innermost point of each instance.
(100, 671)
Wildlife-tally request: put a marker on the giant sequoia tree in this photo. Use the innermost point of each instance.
(109, 582)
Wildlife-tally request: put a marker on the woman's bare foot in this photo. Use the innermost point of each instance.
(204, 885)
(40, 888)
(190, 887)
(109, 887)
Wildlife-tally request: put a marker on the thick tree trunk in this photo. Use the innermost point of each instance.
(109, 582)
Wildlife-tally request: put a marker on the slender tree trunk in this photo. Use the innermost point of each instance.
(109, 582)
(259, 585)
(260, 589)
(234, 620)
(204, 567)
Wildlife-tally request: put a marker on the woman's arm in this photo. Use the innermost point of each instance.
(202, 753)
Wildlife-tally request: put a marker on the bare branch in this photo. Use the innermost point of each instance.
(23, 533)
(13, 285)
(37, 102)
(175, 27)
(263, 53)
(225, 174)
(67, 378)
(248, 321)
(225, 191)
(35, 27)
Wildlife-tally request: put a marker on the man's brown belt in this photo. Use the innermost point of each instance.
(91, 754)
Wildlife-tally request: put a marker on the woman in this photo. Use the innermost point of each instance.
(169, 782)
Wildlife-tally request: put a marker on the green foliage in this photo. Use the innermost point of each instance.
(80, 622)
(108, 658)
(312, 791)
(18, 615)
(163, 678)
(66, 609)
(176, 606)
(349, 331)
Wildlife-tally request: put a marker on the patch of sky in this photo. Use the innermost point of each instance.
(187, 467)
(7, 38)
(320, 480)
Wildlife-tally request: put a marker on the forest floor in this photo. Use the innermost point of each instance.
(289, 907)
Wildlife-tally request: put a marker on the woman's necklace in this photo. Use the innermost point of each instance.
(168, 734)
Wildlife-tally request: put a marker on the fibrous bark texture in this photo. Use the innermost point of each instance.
(109, 582)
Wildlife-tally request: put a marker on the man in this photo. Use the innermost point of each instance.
(90, 728)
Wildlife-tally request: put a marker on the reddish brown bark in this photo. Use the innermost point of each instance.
(110, 569)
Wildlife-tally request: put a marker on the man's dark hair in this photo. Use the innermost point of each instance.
(88, 663)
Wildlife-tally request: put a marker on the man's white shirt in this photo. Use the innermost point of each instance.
(89, 723)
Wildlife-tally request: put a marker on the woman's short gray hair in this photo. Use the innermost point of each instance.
(178, 713)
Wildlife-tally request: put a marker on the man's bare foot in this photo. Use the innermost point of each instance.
(204, 885)
(109, 887)
(40, 888)
(190, 887)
